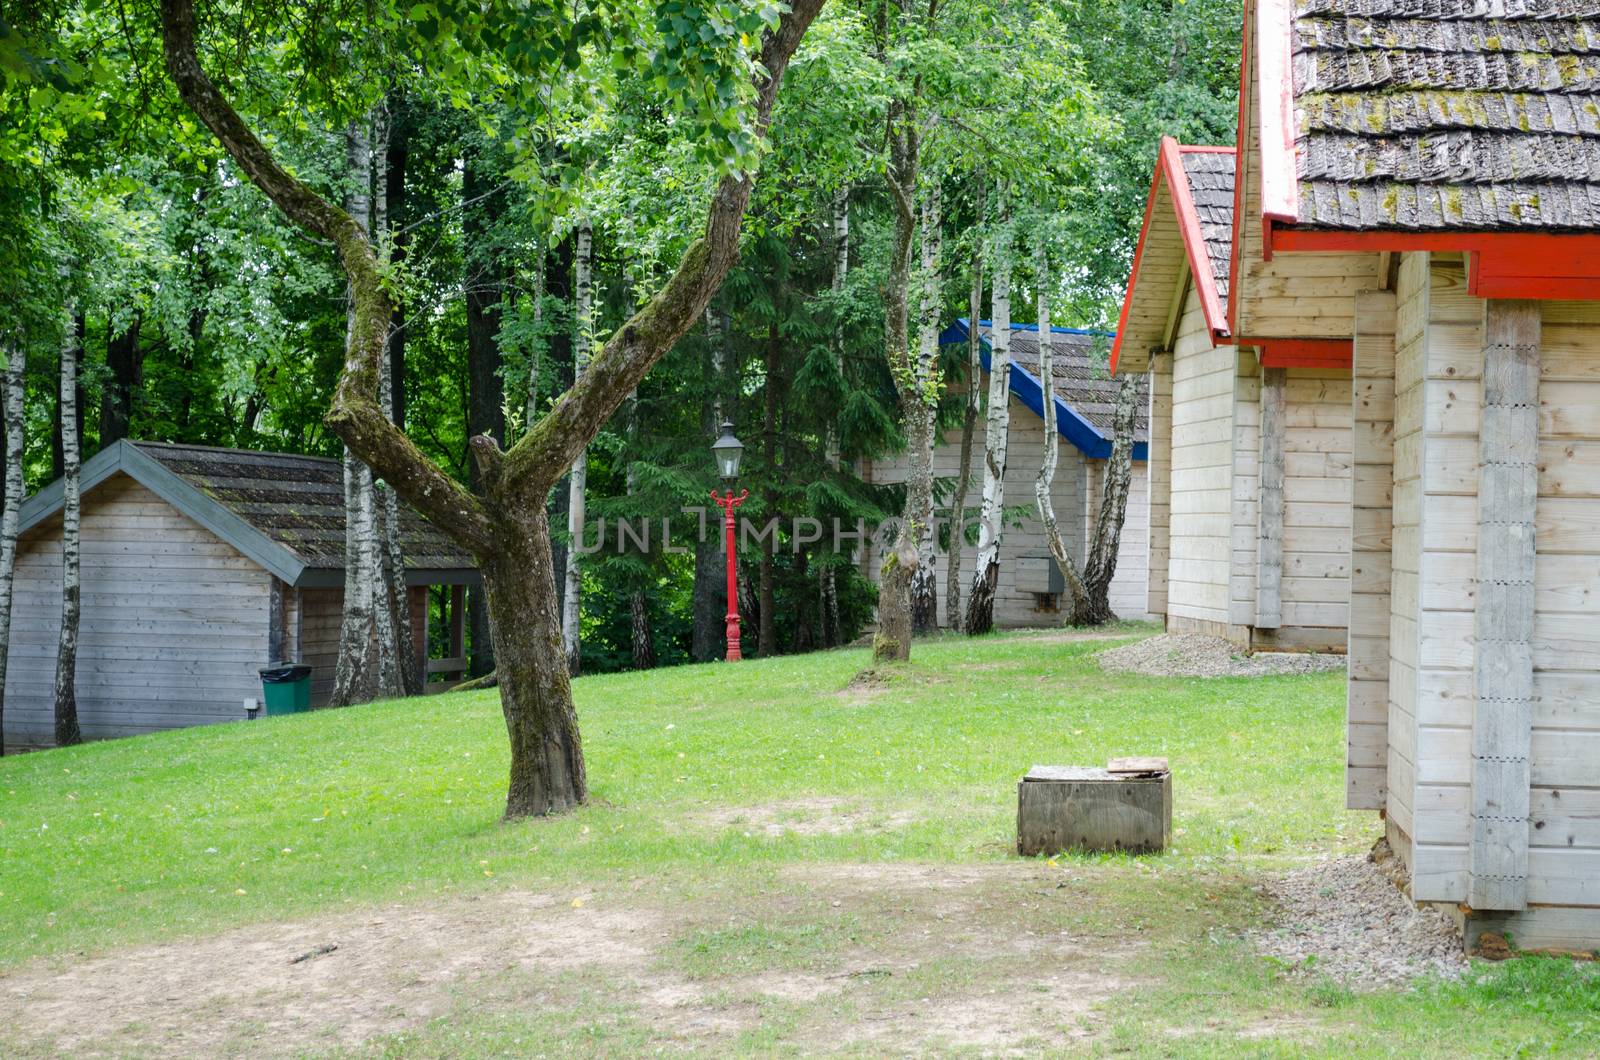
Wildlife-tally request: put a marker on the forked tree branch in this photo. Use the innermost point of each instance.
(543, 455)
(356, 416)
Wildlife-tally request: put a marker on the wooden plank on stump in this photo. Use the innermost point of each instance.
(1269, 547)
(1508, 487)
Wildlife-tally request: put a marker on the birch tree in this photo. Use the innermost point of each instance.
(355, 676)
(898, 567)
(924, 583)
(969, 426)
(67, 730)
(399, 673)
(986, 570)
(16, 380)
(572, 600)
(1089, 589)
(828, 590)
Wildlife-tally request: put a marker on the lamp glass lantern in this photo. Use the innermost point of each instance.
(728, 450)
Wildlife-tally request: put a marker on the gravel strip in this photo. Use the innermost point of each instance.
(1196, 655)
(1348, 919)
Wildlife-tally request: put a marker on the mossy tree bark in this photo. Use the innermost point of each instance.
(506, 527)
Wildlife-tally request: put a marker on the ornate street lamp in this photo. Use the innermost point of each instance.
(728, 450)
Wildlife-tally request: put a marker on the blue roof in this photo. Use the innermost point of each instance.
(1026, 386)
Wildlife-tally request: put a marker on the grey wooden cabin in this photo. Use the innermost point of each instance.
(200, 566)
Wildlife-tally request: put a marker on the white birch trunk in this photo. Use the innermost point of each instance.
(391, 616)
(924, 583)
(67, 731)
(986, 571)
(827, 583)
(572, 598)
(15, 383)
(1052, 442)
(969, 426)
(355, 673)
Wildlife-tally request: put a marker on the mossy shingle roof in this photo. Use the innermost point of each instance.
(1434, 115)
(1210, 175)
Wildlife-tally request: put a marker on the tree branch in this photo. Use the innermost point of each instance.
(355, 416)
(546, 451)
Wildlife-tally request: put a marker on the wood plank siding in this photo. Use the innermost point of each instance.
(1435, 603)
(1024, 555)
(174, 625)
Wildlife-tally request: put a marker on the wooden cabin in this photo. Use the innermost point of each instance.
(1030, 588)
(199, 567)
(1250, 443)
(1421, 197)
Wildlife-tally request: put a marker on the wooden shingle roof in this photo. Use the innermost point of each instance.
(284, 511)
(1438, 115)
(1210, 177)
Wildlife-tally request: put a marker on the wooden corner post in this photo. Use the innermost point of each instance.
(1269, 545)
(1508, 489)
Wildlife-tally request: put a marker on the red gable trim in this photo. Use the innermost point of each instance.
(1536, 265)
(1169, 168)
(1280, 191)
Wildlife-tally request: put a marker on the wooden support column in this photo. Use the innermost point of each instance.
(1508, 489)
(1269, 544)
(1158, 543)
(277, 623)
(1371, 559)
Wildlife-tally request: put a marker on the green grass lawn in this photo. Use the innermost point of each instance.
(704, 780)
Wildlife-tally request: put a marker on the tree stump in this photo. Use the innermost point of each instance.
(1089, 808)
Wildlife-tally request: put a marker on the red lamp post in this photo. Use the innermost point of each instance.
(728, 449)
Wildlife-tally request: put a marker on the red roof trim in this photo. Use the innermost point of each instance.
(1169, 167)
(1537, 265)
(1303, 353)
(1280, 190)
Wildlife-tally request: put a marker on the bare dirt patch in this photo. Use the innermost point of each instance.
(901, 958)
(1196, 655)
(1349, 919)
(805, 817)
(239, 992)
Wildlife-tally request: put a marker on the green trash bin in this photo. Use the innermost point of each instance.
(286, 689)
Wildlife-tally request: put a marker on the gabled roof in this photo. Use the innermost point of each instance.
(1085, 394)
(1186, 237)
(1450, 114)
(283, 511)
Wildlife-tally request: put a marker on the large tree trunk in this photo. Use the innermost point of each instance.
(827, 582)
(125, 372)
(547, 770)
(583, 319)
(355, 674)
(506, 528)
(969, 427)
(899, 565)
(67, 731)
(16, 381)
(986, 571)
(924, 583)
